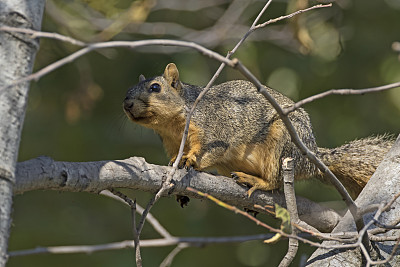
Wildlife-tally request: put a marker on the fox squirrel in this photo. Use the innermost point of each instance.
(235, 130)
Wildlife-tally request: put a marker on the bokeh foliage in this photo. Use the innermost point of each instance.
(75, 114)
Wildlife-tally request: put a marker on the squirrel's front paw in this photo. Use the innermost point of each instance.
(186, 162)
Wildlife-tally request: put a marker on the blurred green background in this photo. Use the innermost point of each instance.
(75, 114)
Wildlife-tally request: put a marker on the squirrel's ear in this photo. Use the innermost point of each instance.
(171, 74)
(141, 78)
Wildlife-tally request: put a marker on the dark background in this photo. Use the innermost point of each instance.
(75, 114)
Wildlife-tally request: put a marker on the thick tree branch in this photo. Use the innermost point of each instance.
(43, 173)
(381, 188)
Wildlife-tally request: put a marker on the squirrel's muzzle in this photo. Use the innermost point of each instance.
(128, 104)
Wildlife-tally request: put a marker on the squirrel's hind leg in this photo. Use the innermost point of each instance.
(254, 182)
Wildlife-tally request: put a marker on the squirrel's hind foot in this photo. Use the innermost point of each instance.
(253, 181)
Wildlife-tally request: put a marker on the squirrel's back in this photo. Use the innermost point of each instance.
(233, 114)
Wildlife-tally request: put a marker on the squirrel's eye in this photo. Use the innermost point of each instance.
(155, 87)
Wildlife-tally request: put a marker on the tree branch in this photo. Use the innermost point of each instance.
(162, 242)
(288, 180)
(43, 173)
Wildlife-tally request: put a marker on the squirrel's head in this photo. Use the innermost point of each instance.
(155, 101)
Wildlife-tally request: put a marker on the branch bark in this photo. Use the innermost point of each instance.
(43, 173)
(288, 186)
(381, 188)
(17, 53)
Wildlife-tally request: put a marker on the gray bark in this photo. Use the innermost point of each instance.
(381, 188)
(44, 173)
(17, 53)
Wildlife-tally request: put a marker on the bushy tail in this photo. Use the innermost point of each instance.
(355, 162)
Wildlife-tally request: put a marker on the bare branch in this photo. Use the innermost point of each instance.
(150, 218)
(128, 44)
(168, 260)
(136, 233)
(307, 100)
(193, 241)
(288, 186)
(39, 34)
(45, 174)
(291, 15)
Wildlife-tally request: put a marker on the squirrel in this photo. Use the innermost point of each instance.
(236, 131)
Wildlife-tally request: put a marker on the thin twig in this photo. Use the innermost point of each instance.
(339, 237)
(291, 15)
(170, 257)
(39, 34)
(379, 230)
(278, 231)
(236, 210)
(307, 100)
(366, 250)
(162, 242)
(128, 44)
(383, 238)
(386, 226)
(150, 218)
(132, 204)
(136, 239)
(255, 27)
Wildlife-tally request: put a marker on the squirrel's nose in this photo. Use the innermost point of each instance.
(128, 104)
